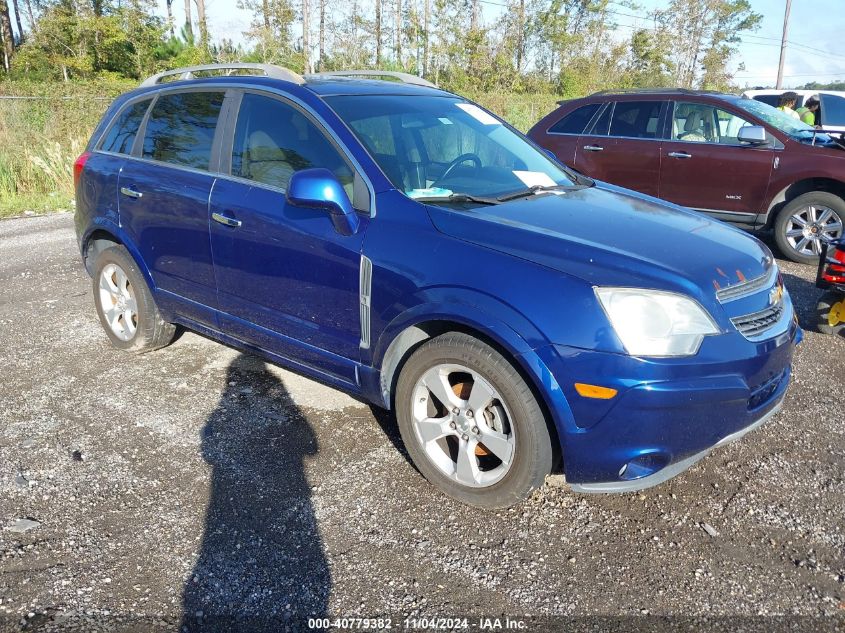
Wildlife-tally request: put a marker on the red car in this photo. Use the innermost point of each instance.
(734, 158)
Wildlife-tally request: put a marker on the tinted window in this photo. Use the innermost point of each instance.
(180, 128)
(636, 119)
(702, 123)
(274, 139)
(121, 134)
(602, 126)
(575, 121)
(772, 100)
(832, 109)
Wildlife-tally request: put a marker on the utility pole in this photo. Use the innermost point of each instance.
(779, 84)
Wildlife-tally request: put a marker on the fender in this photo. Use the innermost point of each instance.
(116, 231)
(413, 326)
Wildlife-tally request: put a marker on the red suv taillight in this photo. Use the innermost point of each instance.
(835, 273)
(79, 165)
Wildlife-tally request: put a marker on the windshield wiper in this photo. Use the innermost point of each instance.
(459, 197)
(530, 191)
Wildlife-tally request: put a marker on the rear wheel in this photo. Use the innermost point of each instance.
(125, 306)
(471, 424)
(830, 312)
(805, 221)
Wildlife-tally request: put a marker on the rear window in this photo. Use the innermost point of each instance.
(637, 119)
(122, 133)
(180, 129)
(575, 121)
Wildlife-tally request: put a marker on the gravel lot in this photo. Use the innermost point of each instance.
(198, 488)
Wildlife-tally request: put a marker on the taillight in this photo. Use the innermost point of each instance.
(79, 165)
(835, 273)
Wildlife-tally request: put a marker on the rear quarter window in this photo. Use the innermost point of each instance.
(576, 121)
(180, 128)
(121, 135)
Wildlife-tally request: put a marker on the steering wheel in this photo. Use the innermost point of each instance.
(460, 159)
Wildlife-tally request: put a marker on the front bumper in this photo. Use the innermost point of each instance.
(676, 468)
(668, 413)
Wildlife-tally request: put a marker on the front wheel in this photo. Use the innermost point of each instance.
(805, 221)
(471, 424)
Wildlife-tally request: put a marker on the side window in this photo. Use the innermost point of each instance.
(729, 125)
(832, 110)
(273, 140)
(771, 100)
(180, 128)
(602, 126)
(694, 123)
(637, 119)
(122, 133)
(702, 123)
(576, 121)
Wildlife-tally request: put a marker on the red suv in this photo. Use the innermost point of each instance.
(734, 158)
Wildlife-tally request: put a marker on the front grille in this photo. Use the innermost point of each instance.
(757, 323)
(738, 291)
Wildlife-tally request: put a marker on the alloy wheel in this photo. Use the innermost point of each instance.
(463, 425)
(809, 225)
(118, 302)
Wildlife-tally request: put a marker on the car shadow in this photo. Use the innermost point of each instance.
(805, 297)
(261, 564)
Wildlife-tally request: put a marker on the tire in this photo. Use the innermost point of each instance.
(131, 321)
(454, 456)
(824, 213)
(831, 301)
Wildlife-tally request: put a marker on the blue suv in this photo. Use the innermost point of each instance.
(402, 244)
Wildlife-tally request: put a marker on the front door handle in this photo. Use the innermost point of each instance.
(222, 219)
(593, 148)
(679, 155)
(129, 191)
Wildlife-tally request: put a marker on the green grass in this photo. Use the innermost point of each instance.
(40, 138)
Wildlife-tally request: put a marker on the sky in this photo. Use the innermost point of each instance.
(816, 38)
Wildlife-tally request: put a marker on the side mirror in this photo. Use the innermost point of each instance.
(318, 189)
(551, 155)
(753, 135)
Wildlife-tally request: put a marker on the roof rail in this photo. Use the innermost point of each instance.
(268, 70)
(403, 77)
(646, 91)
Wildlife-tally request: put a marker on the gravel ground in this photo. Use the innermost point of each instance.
(198, 488)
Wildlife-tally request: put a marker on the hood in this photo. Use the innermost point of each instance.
(606, 235)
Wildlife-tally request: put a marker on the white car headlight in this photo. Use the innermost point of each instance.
(656, 323)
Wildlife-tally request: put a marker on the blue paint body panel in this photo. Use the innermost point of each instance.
(288, 283)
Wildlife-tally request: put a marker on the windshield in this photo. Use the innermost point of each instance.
(778, 119)
(434, 147)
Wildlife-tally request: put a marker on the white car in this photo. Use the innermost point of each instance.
(831, 114)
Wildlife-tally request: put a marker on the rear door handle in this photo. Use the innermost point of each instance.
(222, 219)
(679, 155)
(129, 191)
(593, 148)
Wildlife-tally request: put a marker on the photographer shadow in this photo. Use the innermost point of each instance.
(261, 565)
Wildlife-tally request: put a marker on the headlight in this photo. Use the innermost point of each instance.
(655, 323)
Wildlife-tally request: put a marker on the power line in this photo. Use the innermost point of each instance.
(788, 76)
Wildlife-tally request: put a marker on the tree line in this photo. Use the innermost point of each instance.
(563, 46)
